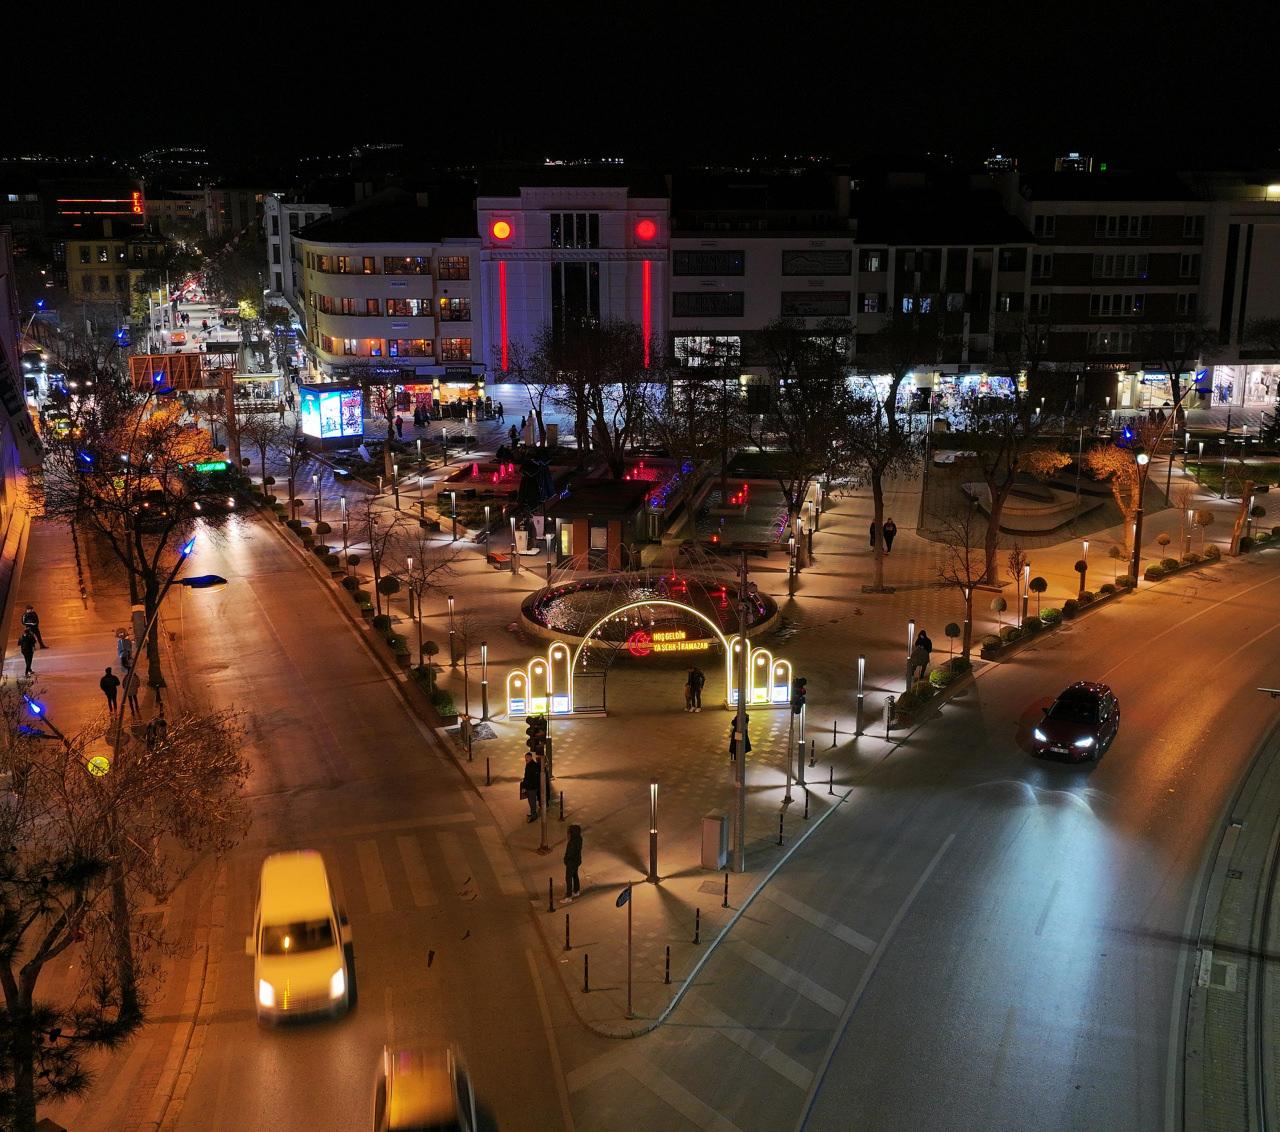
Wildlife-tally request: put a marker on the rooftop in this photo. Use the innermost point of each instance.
(393, 217)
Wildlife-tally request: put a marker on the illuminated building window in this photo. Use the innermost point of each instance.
(348, 306)
(575, 229)
(103, 256)
(369, 265)
(371, 306)
(453, 267)
(344, 265)
(406, 265)
(455, 349)
(409, 347)
(455, 310)
(351, 345)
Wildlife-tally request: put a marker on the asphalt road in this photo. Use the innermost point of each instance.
(441, 935)
(980, 939)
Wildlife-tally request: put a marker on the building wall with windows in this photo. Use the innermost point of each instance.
(228, 211)
(281, 222)
(565, 256)
(104, 259)
(19, 444)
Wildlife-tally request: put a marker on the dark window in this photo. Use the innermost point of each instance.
(453, 267)
(815, 304)
(708, 262)
(275, 225)
(707, 304)
(871, 302)
(817, 262)
(1013, 259)
(575, 230)
(575, 297)
(871, 261)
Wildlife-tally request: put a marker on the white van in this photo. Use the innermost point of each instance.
(299, 958)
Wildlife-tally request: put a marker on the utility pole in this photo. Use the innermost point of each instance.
(745, 590)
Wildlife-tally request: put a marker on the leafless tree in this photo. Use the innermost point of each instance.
(265, 431)
(383, 531)
(963, 566)
(878, 452)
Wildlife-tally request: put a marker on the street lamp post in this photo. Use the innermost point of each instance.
(453, 652)
(911, 637)
(1199, 458)
(653, 833)
(1144, 463)
(408, 566)
(740, 721)
(514, 557)
(1223, 441)
(1026, 591)
(342, 509)
(315, 482)
(453, 511)
(791, 566)
(395, 483)
(484, 680)
(862, 681)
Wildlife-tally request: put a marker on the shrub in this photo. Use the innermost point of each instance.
(1163, 539)
(443, 702)
(1169, 564)
(1276, 531)
(1010, 633)
(1086, 598)
(271, 499)
(294, 525)
(397, 642)
(1070, 608)
(382, 622)
(350, 584)
(1246, 545)
(1051, 616)
(1107, 588)
(269, 481)
(1212, 552)
(353, 560)
(941, 677)
(991, 641)
(1126, 581)
(333, 561)
(1191, 559)
(363, 597)
(1031, 626)
(960, 665)
(323, 528)
(307, 535)
(1154, 572)
(388, 584)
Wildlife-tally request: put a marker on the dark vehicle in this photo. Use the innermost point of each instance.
(153, 511)
(1080, 724)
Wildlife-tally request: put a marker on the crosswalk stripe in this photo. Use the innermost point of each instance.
(746, 1038)
(820, 919)
(375, 880)
(790, 977)
(500, 861)
(415, 871)
(460, 873)
(679, 1098)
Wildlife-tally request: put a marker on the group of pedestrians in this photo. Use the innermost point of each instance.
(888, 532)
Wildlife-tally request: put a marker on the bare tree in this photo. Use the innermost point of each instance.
(428, 564)
(963, 566)
(265, 431)
(1120, 469)
(532, 369)
(383, 539)
(877, 452)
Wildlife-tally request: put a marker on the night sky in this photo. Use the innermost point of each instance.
(659, 83)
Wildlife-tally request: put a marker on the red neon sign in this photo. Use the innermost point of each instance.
(646, 299)
(136, 202)
(502, 310)
(500, 230)
(646, 230)
(639, 643)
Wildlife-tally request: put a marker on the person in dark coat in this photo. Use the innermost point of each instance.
(515, 436)
(694, 684)
(923, 641)
(889, 532)
(110, 685)
(131, 692)
(531, 784)
(733, 736)
(399, 427)
(873, 534)
(572, 862)
(31, 619)
(27, 646)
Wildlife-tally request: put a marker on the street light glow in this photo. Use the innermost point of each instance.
(188, 547)
(35, 707)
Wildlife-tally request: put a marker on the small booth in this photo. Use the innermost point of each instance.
(332, 415)
(600, 521)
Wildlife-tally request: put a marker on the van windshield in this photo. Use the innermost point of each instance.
(285, 939)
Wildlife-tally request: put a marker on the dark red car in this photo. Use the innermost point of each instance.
(1080, 724)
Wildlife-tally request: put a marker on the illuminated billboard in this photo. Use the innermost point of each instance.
(331, 414)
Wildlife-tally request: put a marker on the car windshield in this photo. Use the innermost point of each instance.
(285, 939)
(1075, 709)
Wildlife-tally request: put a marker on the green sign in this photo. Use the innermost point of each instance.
(212, 466)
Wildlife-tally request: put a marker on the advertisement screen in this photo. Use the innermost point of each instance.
(332, 413)
(310, 412)
(353, 413)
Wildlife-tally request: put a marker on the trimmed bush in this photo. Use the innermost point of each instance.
(323, 528)
(1212, 552)
(382, 622)
(269, 481)
(1246, 545)
(1070, 608)
(353, 560)
(1169, 564)
(397, 642)
(1191, 559)
(271, 500)
(1086, 598)
(1275, 531)
(941, 677)
(1107, 588)
(333, 561)
(960, 665)
(443, 702)
(363, 597)
(350, 584)
(1031, 626)
(1051, 616)
(294, 525)
(307, 535)
(1126, 581)
(1010, 633)
(1154, 572)
(991, 641)
(388, 585)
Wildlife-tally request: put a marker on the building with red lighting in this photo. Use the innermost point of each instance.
(564, 247)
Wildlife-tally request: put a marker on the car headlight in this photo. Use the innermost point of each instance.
(197, 506)
(1040, 735)
(266, 994)
(231, 500)
(1087, 741)
(338, 983)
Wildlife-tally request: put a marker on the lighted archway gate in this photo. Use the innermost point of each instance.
(545, 684)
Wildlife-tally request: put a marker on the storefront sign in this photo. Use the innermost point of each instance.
(641, 643)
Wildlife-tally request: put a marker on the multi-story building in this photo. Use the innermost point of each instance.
(169, 212)
(228, 210)
(19, 443)
(104, 259)
(390, 289)
(567, 247)
(281, 221)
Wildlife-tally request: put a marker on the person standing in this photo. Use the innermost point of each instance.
(572, 862)
(399, 427)
(110, 685)
(124, 649)
(131, 692)
(27, 646)
(696, 680)
(873, 534)
(31, 619)
(531, 784)
(515, 436)
(735, 739)
(919, 662)
(890, 532)
(923, 641)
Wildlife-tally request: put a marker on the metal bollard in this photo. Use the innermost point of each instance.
(831, 779)
(586, 968)
(726, 890)
(566, 932)
(697, 925)
(487, 780)
(806, 805)
(833, 732)
(562, 805)
(888, 714)
(813, 753)
(780, 817)
(666, 976)
(551, 896)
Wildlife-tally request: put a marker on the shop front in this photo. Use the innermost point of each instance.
(442, 397)
(1244, 384)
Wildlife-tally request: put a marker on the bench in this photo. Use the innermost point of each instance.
(498, 559)
(761, 549)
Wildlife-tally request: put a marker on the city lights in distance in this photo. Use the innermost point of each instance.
(500, 230)
(646, 229)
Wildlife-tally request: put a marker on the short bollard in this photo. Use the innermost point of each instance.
(566, 932)
(487, 780)
(551, 896)
(697, 925)
(780, 817)
(562, 805)
(806, 805)
(833, 733)
(888, 714)
(831, 779)
(666, 975)
(586, 968)
(813, 753)
(726, 891)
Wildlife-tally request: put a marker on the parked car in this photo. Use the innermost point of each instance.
(1080, 724)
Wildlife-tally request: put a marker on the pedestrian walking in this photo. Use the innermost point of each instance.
(919, 662)
(27, 646)
(131, 692)
(157, 731)
(890, 532)
(572, 862)
(399, 427)
(110, 685)
(502, 417)
(515, 436)
(694, 684)
(873, 534)
(735, 739)
(31, 619)
(124, 649)
(531, 784)
(923, 641)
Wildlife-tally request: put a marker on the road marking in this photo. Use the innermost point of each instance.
(460, 873)
(679, 1098)
(408, 823)
(557, 1070)
(415, 870)
(500, 860)
(747, 1039)
(820, 919)
(790, 977)
(881, 948)
(591, 1071)
(1053, 894)
(375, 880)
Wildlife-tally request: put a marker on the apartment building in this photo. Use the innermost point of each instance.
(282, 220)
(103, 260)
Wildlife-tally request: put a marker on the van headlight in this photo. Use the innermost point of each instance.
(338, 983)
(1087, 741)
(1040, 735)
(266, 994)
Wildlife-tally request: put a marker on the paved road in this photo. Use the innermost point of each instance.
(440, 922)
(980, 940)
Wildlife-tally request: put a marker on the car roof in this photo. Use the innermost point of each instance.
(419, 1086)
(295, 886)
(1084, 689)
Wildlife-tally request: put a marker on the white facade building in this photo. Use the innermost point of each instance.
(565, 256)
(281, 221)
